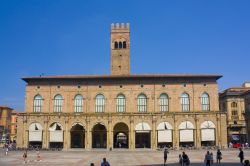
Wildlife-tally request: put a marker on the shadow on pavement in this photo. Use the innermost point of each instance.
(195, 164)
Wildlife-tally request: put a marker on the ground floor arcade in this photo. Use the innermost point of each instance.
(122, 131)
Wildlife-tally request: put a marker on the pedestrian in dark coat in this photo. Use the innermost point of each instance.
(241, 155)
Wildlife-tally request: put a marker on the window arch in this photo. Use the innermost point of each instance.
(58, 103)
(185, 102)
(163, 102)
(99, 103)
(120, 103)
(205, 103)
(120, 44)
(78, 103)
(124, 44)
(37, 103)
(116, 45)
(234, 110)
(142, 103)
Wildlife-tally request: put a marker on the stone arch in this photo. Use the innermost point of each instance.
(79, 123)
(56, 135)
(99, 136)
(164, 134)
(207, 133)
(77, 133)
(35, 135)
(186, 125)
(207, 125)
(121, 135)
(186, 133)
(142, 135)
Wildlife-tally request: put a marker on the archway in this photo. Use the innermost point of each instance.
(35, 135)
(207, 133)
(142, 135)
(77, 133)
(186, 129)
(99, 136)
(121, 133)
(164, 135)
(56, 136)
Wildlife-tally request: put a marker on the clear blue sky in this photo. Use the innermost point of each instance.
(168, 37)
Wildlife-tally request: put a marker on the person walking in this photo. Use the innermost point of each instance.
(218, 156)
(38, 157)
(207, 159)
(6, 150)
(180, 160)
(241, 155)
(25, 157)
(165, 156)
(212, 158)
(105, 162)
(185, 159)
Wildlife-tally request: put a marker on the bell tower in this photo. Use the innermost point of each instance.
(120, 49)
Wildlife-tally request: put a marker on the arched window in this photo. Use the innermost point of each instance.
(205, 103)
(116, 45)
(184, 102)
(58, 103)
(234, 110)
(78, 103)
(120, 103)
(37, 103)
(120, 44)
(142, 103)
(99, 103)
(124, 44)
(163, 103)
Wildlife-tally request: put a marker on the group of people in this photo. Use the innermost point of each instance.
(183, 159)
(25, 155)
(104, 163)
(209, 159)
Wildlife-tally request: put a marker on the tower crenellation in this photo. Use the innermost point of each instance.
(120, 49)
(121, 26)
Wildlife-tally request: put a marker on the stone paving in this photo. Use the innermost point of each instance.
(115, 158)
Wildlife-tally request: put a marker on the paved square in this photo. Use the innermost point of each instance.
(116, 158)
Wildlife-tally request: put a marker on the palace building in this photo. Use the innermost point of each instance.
(122, 110)
(235, 102)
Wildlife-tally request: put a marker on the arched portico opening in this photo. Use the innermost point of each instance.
(207, 133)
(121, 133)
(99, 136)
(186, 129)
(77, 133)
(56, 135)
(164, 135)
(142, 135)
(35, 135)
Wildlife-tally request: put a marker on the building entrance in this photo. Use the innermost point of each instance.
(121, 136)
(77, 133)
(142, 140)
(99, 136)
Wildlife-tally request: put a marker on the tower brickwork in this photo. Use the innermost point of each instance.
(120, 49)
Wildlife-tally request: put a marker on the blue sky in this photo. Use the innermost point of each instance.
(167, 37)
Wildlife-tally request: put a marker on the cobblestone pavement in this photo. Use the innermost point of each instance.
(116, 158)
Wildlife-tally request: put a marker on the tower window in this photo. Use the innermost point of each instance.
(124, 44)
(120, 44)
(116, 45)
